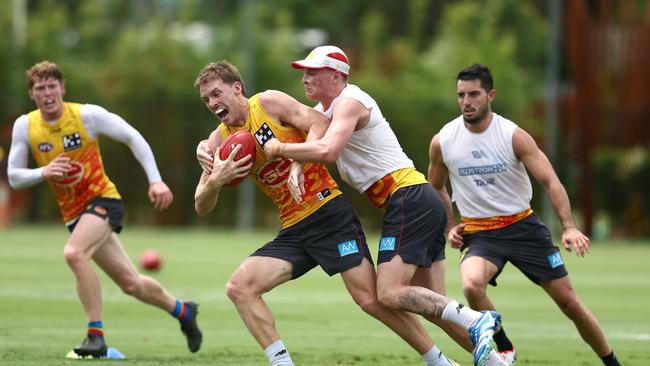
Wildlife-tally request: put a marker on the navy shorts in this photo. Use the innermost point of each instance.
(331, 237)
(106, 208)
(527, 244)
(414, 226)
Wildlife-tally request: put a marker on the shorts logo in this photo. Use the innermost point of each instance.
(100, 210)
(348, 247)
(463, 253)
(387, 243)
(555, 260)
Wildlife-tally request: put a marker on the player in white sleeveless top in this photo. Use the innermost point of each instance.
(486, 156)
(372, 151)
(410, 274)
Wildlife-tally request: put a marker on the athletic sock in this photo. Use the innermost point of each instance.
(181, 310)
(502, 341)
(96, 328)
(460, 314)
(610, 360)
(435, 358)
(278, 354)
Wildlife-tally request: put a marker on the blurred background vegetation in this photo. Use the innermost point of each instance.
(139, 58)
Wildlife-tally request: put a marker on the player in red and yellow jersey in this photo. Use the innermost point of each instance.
(323, 230)
(63, 139)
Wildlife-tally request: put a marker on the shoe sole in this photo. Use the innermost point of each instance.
(85, 353)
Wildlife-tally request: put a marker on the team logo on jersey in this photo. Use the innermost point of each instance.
(72, 141)
(387, 243)
(264, 134)
(72, 176)
(555, 260)
(348, 247)
(45, 147)
(274, 173)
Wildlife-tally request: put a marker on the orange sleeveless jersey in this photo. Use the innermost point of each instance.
(380, 191)
(271, 176)
(87, 179)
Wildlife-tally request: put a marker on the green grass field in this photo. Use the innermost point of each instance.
(41, 318)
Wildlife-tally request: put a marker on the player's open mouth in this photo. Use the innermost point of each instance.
(221, 113)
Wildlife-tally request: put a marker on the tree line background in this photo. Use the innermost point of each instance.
(139, 59)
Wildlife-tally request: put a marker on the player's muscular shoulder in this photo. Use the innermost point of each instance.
(523, 144)
(435, 151)
(351, 109)
(276, 103)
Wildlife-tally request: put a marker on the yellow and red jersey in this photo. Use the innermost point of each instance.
(271, 176)
(380, 191)
(86, 179)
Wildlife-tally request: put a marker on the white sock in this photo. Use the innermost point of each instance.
(460, 314)
(435, 358)
(278, 354)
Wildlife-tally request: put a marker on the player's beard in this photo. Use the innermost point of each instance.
(480, 115)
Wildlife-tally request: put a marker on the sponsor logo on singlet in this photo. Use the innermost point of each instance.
(264, 134)
(485, 169)
(323, 194)
(72, 141)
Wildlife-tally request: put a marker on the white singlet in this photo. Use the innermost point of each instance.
(372, 151)
(487, 179)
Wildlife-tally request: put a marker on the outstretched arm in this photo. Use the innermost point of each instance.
(326, 139)
(438, 175)
(102, 122)
(540, 167)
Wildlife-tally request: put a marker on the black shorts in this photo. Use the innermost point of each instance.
(110, 208)
(414, 227)
(331, 237)
(527, 244)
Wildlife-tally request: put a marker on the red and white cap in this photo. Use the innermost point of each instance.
(325, 57)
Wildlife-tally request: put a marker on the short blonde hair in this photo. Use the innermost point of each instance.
(43, 70)
(223, 70)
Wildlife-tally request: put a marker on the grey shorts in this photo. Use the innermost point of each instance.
(414, 227)
(331, 237)
(527, 244)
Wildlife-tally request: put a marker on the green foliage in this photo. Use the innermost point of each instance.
(621, 179)
(139, 59)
